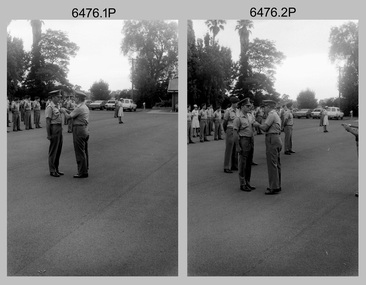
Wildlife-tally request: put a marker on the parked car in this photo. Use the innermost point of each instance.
(110, 105)
(129, 105)
(306, 113)
(315, 114)
(98, 104)
(335, 113)
(88, 102)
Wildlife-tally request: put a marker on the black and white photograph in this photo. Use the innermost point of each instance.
(92, 147)
(272, 138)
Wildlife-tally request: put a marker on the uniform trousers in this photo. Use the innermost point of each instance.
(28, 120)
(231, 156)
(69, 127)
(16, 120)
(245, 159)
(80, 139)
(54, 151)
(37, 117)
(273, 151)
(203, 129)
(288, 138)
(189, 130)
(209, 126)
(218, 129)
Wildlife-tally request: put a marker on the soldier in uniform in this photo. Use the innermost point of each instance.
(27, 113)
(272, 127)
(70, 105)
(287, 123)
(217, 121)
(15, 109)
(54, 132)
(203, 124)
(244, 142)
(37, 112)
(210, 113)
(231, 156)
(80, 119)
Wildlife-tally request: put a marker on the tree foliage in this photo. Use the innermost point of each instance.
(344, 51)
(155, 45)
(306, 99)
(100, 90)
(215, 26)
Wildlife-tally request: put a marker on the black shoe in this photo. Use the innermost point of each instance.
(15, 130)
(19, 130)
(216, 139)
(220, 139)
(277, 190)
(227, 171)
(54, 174)
(191, 141)
(356, 194)
(59, 172)
(291, 151)
(250, 186)
(245, 188)
(287, 152)
(201, 140)
(270, 192)
(207, 140)
(234, 168)
(253, 163)
(81, 175)
(325, 131)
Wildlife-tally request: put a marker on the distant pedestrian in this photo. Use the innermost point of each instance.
(210, 113)
(288, 122)
(37, 112)
(15, 109)
(54, 133)
(143, 104)
(203, 123)
(351, 114)
(189, 124)
(120, 111)
(116, 108)
(324, 122)
(217, 119)
(195, 121)
(27, 105)
(244, 141)
(272, 127)
(231, 156)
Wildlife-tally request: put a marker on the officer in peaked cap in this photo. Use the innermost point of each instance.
(244, 141)
(272, 127)
(80, 121)
(231, 155)
(54, 132)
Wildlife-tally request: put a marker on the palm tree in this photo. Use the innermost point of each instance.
(243, 27)
(215, 26)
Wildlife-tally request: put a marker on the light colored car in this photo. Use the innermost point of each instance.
(306, 113)
(335, 113)
(129, 105)
(110, 105)
(98, 104)
(315, 114)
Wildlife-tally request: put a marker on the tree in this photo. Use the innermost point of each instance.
(306, 99)
(155, 44)
(215, 26)
(344, 51)
(100, 90)
(16, 65)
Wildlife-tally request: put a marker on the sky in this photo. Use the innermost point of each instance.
(99, 56)
(305, 44)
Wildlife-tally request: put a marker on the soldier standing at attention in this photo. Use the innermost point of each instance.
(27, 115)
(203, 124)
(15, 109)
(288, 122)
(231, 156)
(217, 121)
(54, 133)
(272, 127)
(210, 113)
(37, 112)
(244, 142)
(80, 118)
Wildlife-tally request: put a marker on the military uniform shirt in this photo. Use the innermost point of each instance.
(217, 115)
(80, 115)
(36, 105)
(203, 114)
(53, 112)
(15, 106)
(273, 121)
(27, 105)
(230, 115)
(244, 123)
(289, 117)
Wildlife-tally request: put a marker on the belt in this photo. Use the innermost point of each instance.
(79, 125)
(273, 134)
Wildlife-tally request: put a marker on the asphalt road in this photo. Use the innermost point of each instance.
(309, 229)
(121, 221)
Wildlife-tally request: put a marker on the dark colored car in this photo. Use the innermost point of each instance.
(99, 104)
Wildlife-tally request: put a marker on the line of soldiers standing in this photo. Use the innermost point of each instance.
(21, 110)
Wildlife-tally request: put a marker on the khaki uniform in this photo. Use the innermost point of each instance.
(203, 125)
(288, 123)
(231, 156)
